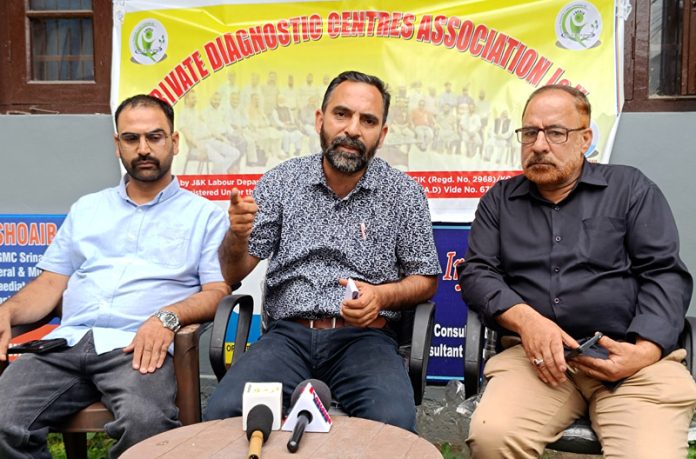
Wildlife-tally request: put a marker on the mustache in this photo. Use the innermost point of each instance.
(136, 162)
(534, 160)
(345, 141)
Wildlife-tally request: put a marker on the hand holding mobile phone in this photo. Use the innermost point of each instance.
(351, 292)
(589, 347)
(37, 346)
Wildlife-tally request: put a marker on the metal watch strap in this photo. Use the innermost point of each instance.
(169, 320)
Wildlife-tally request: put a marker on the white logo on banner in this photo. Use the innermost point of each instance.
(578, 26)
(148, 42)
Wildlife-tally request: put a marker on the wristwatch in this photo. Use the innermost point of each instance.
(169, 320)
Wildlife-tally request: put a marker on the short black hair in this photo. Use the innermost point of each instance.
(582, 103)
(146, 100)
(359, 77)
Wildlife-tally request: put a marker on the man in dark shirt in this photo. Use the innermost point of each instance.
(565, 250)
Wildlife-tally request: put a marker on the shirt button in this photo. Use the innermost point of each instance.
(556, 208)
(556, 269)
(556, 300)
(558, 238)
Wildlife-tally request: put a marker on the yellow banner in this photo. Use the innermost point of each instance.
(246, 80)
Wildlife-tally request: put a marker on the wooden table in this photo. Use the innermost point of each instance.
(349, 438)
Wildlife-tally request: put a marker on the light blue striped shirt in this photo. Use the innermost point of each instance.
(127, 261)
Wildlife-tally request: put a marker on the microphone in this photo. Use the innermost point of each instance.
(259, 423)
(308, 413)
(263, 393)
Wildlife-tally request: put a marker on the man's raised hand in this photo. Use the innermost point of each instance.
(241, 212)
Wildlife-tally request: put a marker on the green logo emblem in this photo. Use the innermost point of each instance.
(148, 42)
(578, 26)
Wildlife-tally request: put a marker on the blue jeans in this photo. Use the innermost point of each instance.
(38, 390)
(362, 367)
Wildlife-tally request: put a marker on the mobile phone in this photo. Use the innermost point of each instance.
(585, 346)
(351, 292)
(38, 346)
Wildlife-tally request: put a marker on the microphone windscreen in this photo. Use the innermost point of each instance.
(260, 418)
(322, 390)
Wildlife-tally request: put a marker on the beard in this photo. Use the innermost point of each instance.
(156, 171)
(343, 161)
(544, 170)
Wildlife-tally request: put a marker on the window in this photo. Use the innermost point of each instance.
(660, 56)
(56, 56)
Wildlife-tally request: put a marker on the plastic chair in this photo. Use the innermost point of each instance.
(414, 333)
(579, 437)
(93, 417)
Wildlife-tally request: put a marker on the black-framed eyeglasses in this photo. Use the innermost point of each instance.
(155, 139)
(527, 135)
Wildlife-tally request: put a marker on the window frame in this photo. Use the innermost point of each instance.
(636, 63)
(20, 94)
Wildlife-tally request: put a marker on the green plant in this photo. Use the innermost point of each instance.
(98, 445)
(692, 450)
(450, 452)
(55, 446)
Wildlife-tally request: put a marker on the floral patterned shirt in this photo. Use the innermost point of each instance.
(379, 233)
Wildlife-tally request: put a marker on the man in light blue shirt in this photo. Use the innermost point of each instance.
(131, 264)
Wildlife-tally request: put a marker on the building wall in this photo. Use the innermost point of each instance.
(663, 146)
(48, 161)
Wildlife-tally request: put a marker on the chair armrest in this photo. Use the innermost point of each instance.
(686, 340)
(17, 330)
(420, 347)
(220, 324)
(473, 353)
(187, 370)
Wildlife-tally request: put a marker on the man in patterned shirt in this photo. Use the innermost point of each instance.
(322, 219)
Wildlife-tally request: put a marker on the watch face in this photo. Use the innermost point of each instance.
(168, 319)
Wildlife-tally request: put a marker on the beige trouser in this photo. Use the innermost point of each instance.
(647, 416)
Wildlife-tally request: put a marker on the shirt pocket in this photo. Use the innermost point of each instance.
(166, 246)
(602, 241)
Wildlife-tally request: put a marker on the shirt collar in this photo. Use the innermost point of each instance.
(169, 191)
(588, 176)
